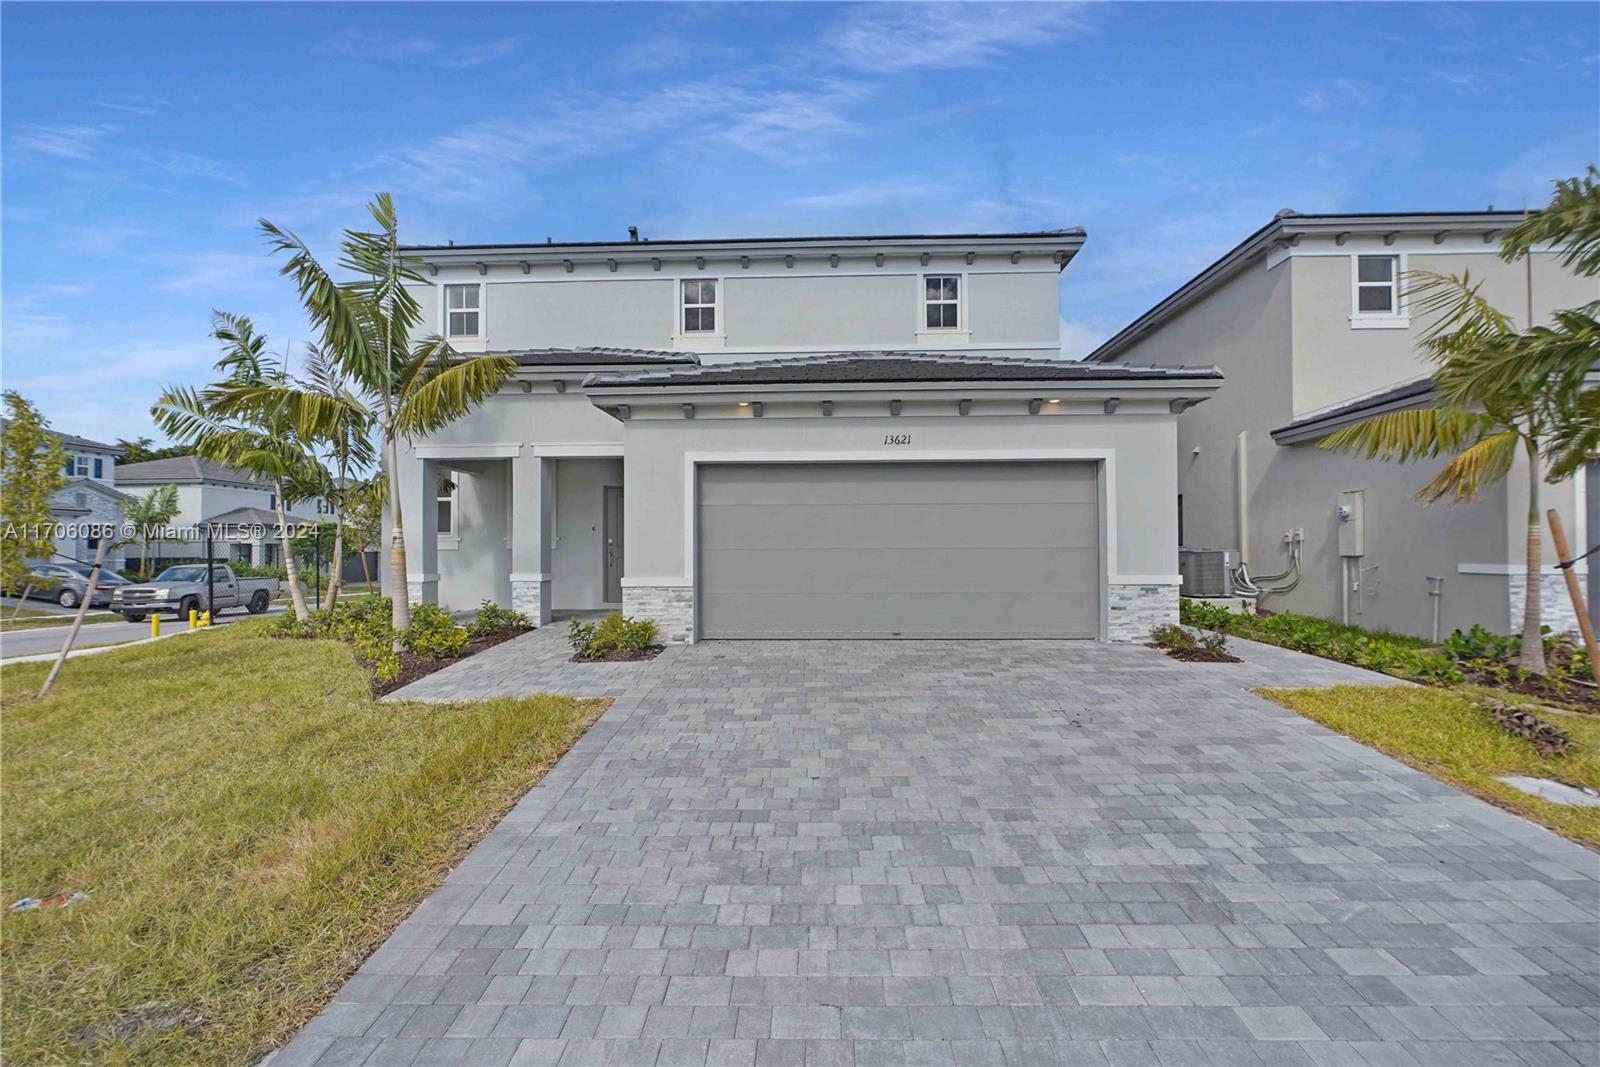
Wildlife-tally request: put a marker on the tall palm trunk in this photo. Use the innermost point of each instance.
(1532, 657)
(399, 595)
(291, 568)
(338, 558)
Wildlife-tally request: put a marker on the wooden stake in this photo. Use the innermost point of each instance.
(77, 621)
(1559, 536)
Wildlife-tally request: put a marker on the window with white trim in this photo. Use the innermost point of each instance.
(700, 306)
(463, 306)
(445, 501)
(941, 298)
(1377, 285)
(77, 466)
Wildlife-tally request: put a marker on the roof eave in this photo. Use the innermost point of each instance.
(1317, 427)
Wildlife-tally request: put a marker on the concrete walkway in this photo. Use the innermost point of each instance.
(986, 852)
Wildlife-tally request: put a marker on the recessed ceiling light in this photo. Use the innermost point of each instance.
(744, 403)
(1053, 400)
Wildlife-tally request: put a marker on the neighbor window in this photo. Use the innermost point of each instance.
(941, 295)
(447, 507)
(700, 306)
(99, 467)
(78, 467)
(462, 305)
(1377, 285)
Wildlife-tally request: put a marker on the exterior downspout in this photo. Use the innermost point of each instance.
(1243, 519)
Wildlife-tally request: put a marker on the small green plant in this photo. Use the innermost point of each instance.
(492, 619)
(1477, 644)
(1214, 642)
(592, 640)
(433, 634)
(1170, 635)
(1205, 616)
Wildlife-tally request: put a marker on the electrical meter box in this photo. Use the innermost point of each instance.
(1352, 512)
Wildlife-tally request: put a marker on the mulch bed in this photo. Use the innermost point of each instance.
(617, 655)
(1196, 655)
(413, 666)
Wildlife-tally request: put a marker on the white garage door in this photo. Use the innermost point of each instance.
(852, 550)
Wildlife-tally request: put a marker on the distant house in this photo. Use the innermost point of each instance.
(89, 505)
(238, 506)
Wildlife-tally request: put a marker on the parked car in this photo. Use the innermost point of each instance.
(181, 589)
(66, 583)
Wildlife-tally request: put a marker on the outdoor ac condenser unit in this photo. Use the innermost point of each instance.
(1207, 571)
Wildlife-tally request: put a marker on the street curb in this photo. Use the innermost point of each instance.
(93, 650)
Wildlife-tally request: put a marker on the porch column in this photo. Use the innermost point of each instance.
(532, 484)
(419, 511)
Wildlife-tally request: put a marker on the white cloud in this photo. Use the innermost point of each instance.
(1338, 93)
(1079, 337)
(892, 193)
(133, 103)
(482, 54)
(379, 47)
(227, 274)
(915, 36)
(66, 140)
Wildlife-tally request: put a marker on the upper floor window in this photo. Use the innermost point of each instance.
(942, 301)
(99, 467)
(446, 503)
(462, 306)
(1377, 285)
(700, 306)
(78, 467)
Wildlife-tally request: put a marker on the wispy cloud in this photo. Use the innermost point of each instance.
(133, 103)
(913, 36)
(102, 240)
(482, 54)
(1338, 93)
(380, 46)
(871, 194)
(66, 140)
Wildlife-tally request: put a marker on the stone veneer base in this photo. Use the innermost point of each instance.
(1133, 609)
(529, 597)
(1555, 603)
(671, 606)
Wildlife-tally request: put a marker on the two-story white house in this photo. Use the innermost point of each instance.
(809, 437)
(240, 509)
(89, 507)
(1310, 320)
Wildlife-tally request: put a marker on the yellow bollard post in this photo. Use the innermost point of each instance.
(155, 626)
(194, 619)
(205, 618)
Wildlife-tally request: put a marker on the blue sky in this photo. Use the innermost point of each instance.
(140, 143)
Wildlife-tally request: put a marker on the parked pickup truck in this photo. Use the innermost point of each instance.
(178, 590)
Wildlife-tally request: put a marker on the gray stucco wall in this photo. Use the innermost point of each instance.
(1282, 336)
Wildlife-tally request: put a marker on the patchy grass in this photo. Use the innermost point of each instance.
(248, 823)
(1442, 732)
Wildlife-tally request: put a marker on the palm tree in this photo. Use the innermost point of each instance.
(149, 514)
(344, 431)
(218, 425)
(414, 387)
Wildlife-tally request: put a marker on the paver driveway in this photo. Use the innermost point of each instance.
(936, 852)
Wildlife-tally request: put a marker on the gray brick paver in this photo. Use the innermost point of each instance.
(953, 852)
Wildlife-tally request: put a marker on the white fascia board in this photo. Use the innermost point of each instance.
(1194, 389)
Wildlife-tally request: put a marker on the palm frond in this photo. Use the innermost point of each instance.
(1408, 436)
(447, 390)
(1478, 465)
(1461, 315)
(1571, 221)
(339, 314)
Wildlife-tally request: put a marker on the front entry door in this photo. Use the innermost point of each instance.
(613, 545)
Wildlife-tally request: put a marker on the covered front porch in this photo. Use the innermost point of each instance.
(535, 528)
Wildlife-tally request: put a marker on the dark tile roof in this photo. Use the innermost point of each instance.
(817, 238)
(868, 367)
(70, 440)
(181, 470)
(1415, 394)
(247, 516)
(592, 357)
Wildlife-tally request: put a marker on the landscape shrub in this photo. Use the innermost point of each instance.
(492, 619)
(433, 634)
(592, 640)
(363, 621)
(1169, 635)
(1374, 650)
(1478, 644)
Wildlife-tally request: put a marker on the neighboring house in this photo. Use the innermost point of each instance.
(89, 505)
(811, 437)
(1308, 319)
(239, 506)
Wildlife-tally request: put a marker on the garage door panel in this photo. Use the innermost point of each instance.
(955, 525)
(868, 615)
(899, 550)
(864, 483)
(1017, 572)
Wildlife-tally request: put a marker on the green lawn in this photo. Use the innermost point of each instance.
(1444, 733)
(248, 825)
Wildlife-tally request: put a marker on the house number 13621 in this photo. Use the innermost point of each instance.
(897, 439)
